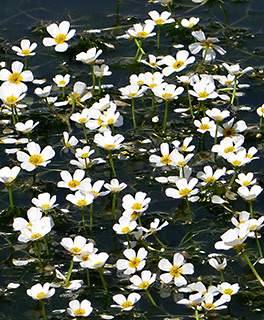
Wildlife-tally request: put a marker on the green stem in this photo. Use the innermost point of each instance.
(260, 122)
(158, 240)
(100, 84)
(251, 210)
(38, 253)
(133, 113)
(46, 246)
(222, 275)
(100, 270)
(189, 209)
(165, 115)
(128, 241)
(234, 92)
(91, 216)
(43, 309)
(111, 162)
(252, 268)
(113, 205)
(93, 75)
(150, 298)
(216, 131)
(85, 133)
(26, 63)
(233, 178)
(63, 92)
(69, 273)
(153, 103)
(258, 245)
(88, 277)
(83, 219)
(196, 314)
(11, 199)
(190, 102)
(73, 103)
(158, 40)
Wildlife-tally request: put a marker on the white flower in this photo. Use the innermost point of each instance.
(11, 94)
(208, 176)
(165, 159)
(205, 124)
(17, 76)
(60, 34)
(125, 225)
(107, 141)
(235, 69)
(185, 189)
(132, 91)
(102, 71)
(36, 157)
(126, 304)
(217, 115)
(184, 146)
(26, 49)
(139, 203)
(90, 56)
(80, 199)
(168, 92)
(69, 141)
(39, 292)
(135, 261)
(159, 18)
(178, 64)
(45, 202)
(62, 81)
(80, 309)
(69, 181)
(228, 289)
(214, 262)
(189, 23)
(143, 282)
(95, 261)
(207, 45)
(249, 194)
(8, 175)
(43, 92)
(37, 231)
(209, 303)
(26, 127)
(114, 186)
(176, 270)
(141, 31)
(204, 89)
(232, 238)
(75, 246)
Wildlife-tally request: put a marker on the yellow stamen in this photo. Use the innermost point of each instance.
(175, 271)
(73, 183)
(178, 64)
(60, 38)
(36, 160)
(15, 77)
(134, 262)
(184, 192)
(165, 159)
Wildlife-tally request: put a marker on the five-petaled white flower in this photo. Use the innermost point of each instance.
(39, 292)
(60, 34)
(134, 262)
(80, 309)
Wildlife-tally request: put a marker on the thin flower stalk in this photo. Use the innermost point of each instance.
(100, 270)
(165, 115)
(111, 162)
(245, 256)
(150, 298)
(43, 309)
(11, 201)
(69, 272)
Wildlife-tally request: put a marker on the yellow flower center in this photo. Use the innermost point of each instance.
(154, 64)
(207, 44)
(152, 85)
(133, 216)
(181, 163)
(229, 132)
(210, 179)
(126, 304)
(11, 99)
(140, 82)
(204, 126)
(73, 183)
(142, 34)
(45, 206)
(175, 271)
(159, 21)
(35, 236)
(178, 64)
(60, 38)
(228, 82)
(144, 285)
(110, 146)
(125, 230)
(262, 110)
(15, 78)
(246, 183)
(26, 52)
(184, 192)
(167, 96)
(110, 121)
(203, 94)
(191, 25)
(67, 144)
(249, 156)
(165, 159)
(62, 83)
(237, 163)
(218, 118)
(85, 257)
(137, 206)
(209, 306)
(79, 312)
(228, 291)
(134, 262)
(229, 149)
(40, 295)
(75, 250)
(82, 120)
(85, 155)
(132, 94)
(81, 203)
(36, 160)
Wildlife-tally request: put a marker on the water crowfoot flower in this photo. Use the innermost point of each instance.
(80, 309)
(135, 262)
(60, 34)
(176, 270)
(126, 304)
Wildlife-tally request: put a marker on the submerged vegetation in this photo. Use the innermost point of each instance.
(138, 199)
